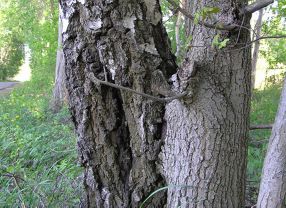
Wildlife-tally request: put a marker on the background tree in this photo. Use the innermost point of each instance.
(257, 35)
(59, 94)
(272, 191)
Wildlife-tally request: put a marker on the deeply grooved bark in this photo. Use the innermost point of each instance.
(119, 133)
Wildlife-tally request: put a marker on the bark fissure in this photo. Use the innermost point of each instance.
(119, 132)
(130, 145)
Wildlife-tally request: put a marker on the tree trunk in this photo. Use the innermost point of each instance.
(119, 133)
(206, 137)
(60, 93)
(130, 145)
(258, 27)
(272, 191)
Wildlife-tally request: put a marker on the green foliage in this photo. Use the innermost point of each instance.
(38, 156)
(206, 12)
(11, 57)
(275, 52)
(263, 111)
(218, 42)
(38, 160)
(11, 46)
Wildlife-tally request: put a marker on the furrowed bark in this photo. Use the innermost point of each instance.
(206, 136)
(272, 191)
(119, 133)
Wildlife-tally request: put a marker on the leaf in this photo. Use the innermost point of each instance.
(163, 189)
(223, 43)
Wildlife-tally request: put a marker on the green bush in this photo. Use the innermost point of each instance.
(38, 160)
(11, 57)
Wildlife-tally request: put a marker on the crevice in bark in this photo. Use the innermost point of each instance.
(119, 133)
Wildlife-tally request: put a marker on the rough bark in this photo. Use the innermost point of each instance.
(258, 27)
(272, 191)
(60, 93)
(119, 133)
(130, 145)
(206, 137)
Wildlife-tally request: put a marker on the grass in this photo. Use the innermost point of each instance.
(38, 161)
(263, 111)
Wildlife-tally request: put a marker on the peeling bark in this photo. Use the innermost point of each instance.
(119, 133)
(130, 145)
(272, 191)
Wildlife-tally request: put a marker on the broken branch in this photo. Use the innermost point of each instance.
(255, 127)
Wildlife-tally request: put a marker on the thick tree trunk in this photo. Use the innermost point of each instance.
(258, 27)
(206, 137)
(130, 145)
(60, 93)
(272, 191)
(119, 133)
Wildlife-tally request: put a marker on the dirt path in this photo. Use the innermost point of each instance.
(6, 87)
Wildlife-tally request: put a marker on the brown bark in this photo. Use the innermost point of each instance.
(272, 191)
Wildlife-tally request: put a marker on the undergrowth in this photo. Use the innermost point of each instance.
(38, 161)
(264, 107)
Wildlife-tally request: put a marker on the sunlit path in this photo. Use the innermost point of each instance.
(25, 70)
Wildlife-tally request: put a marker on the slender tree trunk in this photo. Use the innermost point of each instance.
(206, 137)
(130, 145)
(60, 93)
(272, 191)
(258, 27)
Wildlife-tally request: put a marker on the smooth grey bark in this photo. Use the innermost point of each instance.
(206, 137)
(258, 28)
(130, 145)
(272, 191)
(119, 133)
(59, 93)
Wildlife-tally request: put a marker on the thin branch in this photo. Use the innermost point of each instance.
(246, 44)
(268, 37)
(249, 9)
(166, 99)
(255, 127)
(253, 41)
(260, 4)
(218, 26)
